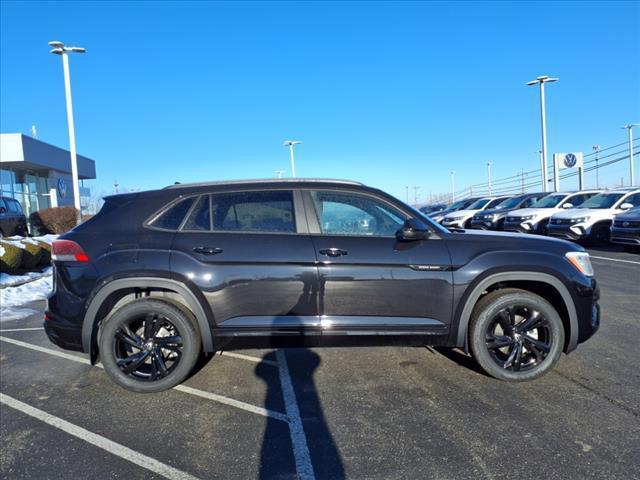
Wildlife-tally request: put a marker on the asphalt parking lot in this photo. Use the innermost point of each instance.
(374, 412)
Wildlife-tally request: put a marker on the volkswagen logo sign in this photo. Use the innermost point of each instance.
(625, 224)
(570, 160)
(62, 188)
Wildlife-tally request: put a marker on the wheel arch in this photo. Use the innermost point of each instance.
(114, 292)
(535, 282)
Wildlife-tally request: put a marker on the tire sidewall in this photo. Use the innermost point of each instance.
(190, 341)
(478, 330)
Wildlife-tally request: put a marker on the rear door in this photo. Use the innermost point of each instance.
(368, 279)
(250, 255)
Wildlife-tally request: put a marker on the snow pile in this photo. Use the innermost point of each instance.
(7, 280)
(14, 297)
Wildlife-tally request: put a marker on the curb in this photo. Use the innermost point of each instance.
(23, 282)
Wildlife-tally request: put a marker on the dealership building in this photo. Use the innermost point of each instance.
(38, 174)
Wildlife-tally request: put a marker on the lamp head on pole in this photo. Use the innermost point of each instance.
(631, 125)
(288, 143)
(542, 79)
(59, 48)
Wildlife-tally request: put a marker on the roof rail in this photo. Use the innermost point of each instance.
(262, 181)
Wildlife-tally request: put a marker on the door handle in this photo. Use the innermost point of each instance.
(333, 252)
(208, 250)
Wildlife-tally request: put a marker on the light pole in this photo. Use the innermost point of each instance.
(290, 144)
(629, 127)
(453, 185)
(596, 149)
(61, 49)
(407, 187)
(489, 176)
(543, 120)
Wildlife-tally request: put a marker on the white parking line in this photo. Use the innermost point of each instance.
(182, 388)
(2, 330)
(615, 260)
(249, 358)
(301, 454)
(98, 440)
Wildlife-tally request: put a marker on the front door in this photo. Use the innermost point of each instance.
(367, 277)
(249, 256)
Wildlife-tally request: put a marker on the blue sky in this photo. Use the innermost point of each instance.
(391, 94)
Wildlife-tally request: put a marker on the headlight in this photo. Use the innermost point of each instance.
(527, 217)
(580, 220)
(581, 262)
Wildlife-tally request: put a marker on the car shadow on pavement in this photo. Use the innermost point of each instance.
(325, 457)
(460, 358)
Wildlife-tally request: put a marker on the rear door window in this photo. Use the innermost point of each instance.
(266, 211)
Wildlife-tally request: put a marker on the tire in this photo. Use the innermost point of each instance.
(600, 235)
(539, 346)
(156, 338)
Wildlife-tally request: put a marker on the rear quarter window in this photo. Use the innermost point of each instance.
(172, 217)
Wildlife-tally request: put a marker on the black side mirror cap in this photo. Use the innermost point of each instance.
(413, 229)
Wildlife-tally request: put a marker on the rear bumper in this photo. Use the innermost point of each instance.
(63, 333)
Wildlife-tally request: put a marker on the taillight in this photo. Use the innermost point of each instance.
(68, 251)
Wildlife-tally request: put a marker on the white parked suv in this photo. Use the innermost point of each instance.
(535, 218)
(462, 218)
(593, 219)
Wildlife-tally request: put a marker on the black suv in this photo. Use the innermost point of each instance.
(12, 219)
(157, 277)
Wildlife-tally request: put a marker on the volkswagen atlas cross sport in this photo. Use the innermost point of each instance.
(463, 218)
(626, 229)
(493, 218)
(535, 219)
(592, 220)
(193, 264)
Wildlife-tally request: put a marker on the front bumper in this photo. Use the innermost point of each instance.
(523, 227)
(587, 309)
(484, 224)
(569, 232)
(625, 236)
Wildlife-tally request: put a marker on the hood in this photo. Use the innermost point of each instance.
(493, 211)
(461, 213)
(523, 212)
(490, 241)
(631, 216)
(580, 212)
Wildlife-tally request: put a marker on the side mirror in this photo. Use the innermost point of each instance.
(413, 229)
(567, 205)
(624, 206)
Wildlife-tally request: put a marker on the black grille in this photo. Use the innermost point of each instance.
(626, 224)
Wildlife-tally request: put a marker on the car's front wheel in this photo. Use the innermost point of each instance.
(515, 335)
(149, 345)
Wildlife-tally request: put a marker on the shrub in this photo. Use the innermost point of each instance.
(53, 220)
(31, 255)
(45, 257)
(10, 258)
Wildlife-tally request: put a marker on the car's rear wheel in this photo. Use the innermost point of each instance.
(515, 335)
(149, 345)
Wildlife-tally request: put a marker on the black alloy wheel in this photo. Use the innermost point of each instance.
(149, 345)
(518, 338)
(148, 348)
(515, 335)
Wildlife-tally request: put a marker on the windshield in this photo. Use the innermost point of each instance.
(479, 204)
(602, 200)
(548, 202)
(511, 202)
